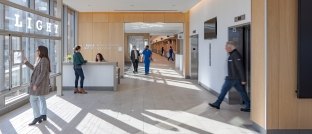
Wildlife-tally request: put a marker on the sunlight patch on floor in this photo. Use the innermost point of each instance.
(62, 108)
(210, 125)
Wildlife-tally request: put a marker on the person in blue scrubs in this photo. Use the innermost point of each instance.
(147, 55)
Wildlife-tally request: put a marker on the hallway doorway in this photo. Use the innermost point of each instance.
(241, 35)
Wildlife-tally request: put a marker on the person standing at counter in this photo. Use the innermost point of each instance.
(78, 61)
(39, 84)
(135, 59)
(147, 56)
(99, 58)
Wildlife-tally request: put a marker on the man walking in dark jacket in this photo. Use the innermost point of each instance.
(135, 59)
(236, 78)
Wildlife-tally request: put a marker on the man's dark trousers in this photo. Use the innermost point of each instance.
(228, 84)
(135, 65)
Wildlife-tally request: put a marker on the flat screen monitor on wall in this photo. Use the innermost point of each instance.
(210, 28)
(304, 49)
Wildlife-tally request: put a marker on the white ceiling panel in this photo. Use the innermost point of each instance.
(131, 5)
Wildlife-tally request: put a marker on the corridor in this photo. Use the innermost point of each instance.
(160, 103)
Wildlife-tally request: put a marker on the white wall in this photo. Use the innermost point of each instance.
(225, 10)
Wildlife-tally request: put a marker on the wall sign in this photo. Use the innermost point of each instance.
(38, 24)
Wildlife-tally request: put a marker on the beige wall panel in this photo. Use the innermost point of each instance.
(153, 17)
(100, 33)
(85, 33)
(116, 18)
(273, 66)
(85, 17)
(257, 63)
(186, 57)
(116, 34)
(100, 17)
(133, 17)
(173, 17)
(288, 103)
(304, 114)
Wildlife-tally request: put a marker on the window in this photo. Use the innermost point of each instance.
(14, 19)
(6, 63)
(42, 6)
(54, 55)
(41, 26)
(1, 16)
(27, 51)
(2, 66)
(20, 2)
(55, 10)
(70, 32)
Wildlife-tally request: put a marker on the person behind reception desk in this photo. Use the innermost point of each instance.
(147, 54)
(135, 54)
(78, 61)
(99, 58)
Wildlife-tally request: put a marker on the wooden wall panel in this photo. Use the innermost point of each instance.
(85, 17)
(100, 33)
(273, 68)
(153, 17)
(116, 18)
(173, 17)
(85, 33)
(100, 17)
(116, 34)
(133, 17)
(288, 103)
(187, 46)
(257, 62)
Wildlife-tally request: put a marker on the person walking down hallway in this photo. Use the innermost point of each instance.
(39, 84)
(236, 77)
(170, 54)
(147, 55)
(78, 61)
(135, 59)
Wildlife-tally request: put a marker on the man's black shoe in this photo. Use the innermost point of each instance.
(245, 109)
(214, 106)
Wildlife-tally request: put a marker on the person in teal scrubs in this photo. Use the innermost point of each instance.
(147, 58)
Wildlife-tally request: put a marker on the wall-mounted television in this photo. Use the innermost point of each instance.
(304, 49)
(210, 28)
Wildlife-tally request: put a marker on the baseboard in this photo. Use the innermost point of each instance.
(261, 130)
(212, 91)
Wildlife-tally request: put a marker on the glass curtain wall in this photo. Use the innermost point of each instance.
(70, 30)
(21, 32)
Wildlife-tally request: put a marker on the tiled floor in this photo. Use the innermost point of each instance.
(160, 103)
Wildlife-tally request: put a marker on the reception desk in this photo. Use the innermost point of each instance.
(98, 76)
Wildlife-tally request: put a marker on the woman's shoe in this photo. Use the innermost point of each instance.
(35, 121)
(43, 117)
(82, 91)
(76, 90)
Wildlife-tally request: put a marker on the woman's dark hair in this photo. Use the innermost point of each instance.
(101, 57)
(77, 48)
(43, 52)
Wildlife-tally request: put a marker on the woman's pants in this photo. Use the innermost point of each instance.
(79, 73)
(39, 105)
